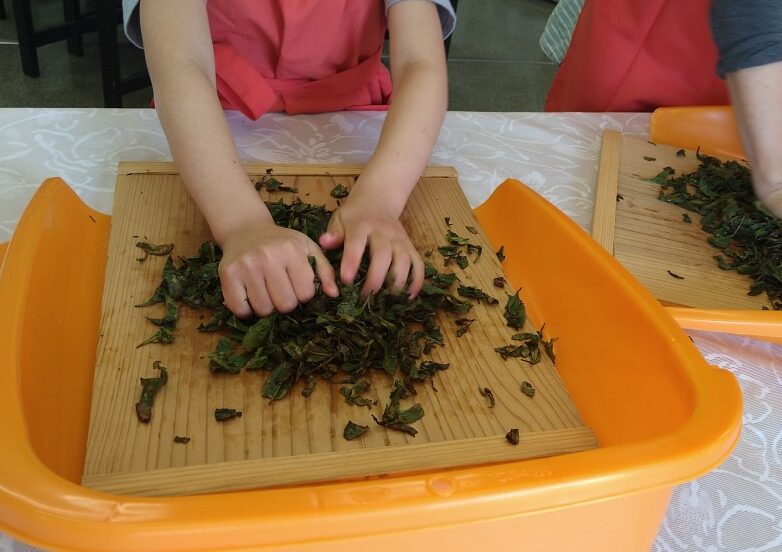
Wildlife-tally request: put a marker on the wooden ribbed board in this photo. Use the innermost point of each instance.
(650, 237)
(298, 439)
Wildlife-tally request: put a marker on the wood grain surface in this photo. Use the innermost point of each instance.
(298, 439)
(651, 238)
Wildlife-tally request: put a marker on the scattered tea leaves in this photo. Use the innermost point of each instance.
(271, 184)
(354, 431)
(149, 388)
(513, 436)
(225, 414)
(486, 392)
(528, 389)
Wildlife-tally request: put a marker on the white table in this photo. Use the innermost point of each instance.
(736, 507)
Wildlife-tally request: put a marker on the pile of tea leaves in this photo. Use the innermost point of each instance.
(335, 339)
(750, 238)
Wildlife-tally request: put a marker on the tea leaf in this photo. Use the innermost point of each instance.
(501, 253)
(353, 431)
(182, 440)
(149, 388)
(476, 293)
(152, 249)
(681, 153)
(472, 229)
(353, 394)
(676, 275)
(513, 436)
(339, 191)
(225, 414)
(528, 389)
(500, 282)
(486, 392)
(515, 314)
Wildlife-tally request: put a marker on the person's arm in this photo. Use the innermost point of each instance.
(756, 94)
(748, 35)
(264, 267)
(370, 215)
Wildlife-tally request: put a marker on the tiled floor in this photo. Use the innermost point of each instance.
(495, 62)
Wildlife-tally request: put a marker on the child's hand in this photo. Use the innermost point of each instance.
(360, 223)
(266, 268)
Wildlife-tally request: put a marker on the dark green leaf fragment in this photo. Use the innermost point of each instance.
(515, 314)
(681, 153)
(225, 414)
(353, 431)
(500, 282)
(686, 218)
(476, 293)
(501, 253)
(444, 280)
(149, 388)
(397, 419)
(455, 239)
(163, 336)
(646, 158)
(676, 275)
(182, 440)
(486, 392)
(152, 249)
(513, 436)
(464, 325)
(353, 394)
(339, 191)
(472, 229)
(528, 389)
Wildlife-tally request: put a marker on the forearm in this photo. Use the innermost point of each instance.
(756, 94)
(409, 134)
(418, 106)
(186, 101)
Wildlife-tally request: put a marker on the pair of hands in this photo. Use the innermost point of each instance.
(266, 268)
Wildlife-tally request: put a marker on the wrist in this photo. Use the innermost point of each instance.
(237, 216)
(388, 191)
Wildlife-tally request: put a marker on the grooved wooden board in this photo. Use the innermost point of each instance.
(297, 439)
(650, 237)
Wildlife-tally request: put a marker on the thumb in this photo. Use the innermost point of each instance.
(335, 233)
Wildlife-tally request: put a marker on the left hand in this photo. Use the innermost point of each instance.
(363, 222)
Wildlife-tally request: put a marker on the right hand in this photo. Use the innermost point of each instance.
(266, 268)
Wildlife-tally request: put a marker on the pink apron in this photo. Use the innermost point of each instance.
(299, 56)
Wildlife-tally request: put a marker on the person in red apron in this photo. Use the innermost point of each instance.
(298, 56)
(638, 56)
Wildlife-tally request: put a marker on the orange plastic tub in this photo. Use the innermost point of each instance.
(661, 414)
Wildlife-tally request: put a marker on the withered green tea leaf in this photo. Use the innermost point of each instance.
(149, 388)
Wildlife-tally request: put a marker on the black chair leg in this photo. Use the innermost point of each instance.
(72, 11)
(23, 15)
(109, 53)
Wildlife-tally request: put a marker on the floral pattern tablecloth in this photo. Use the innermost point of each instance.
(736, 507)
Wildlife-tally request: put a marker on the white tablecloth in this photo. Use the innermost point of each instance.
(737, 507)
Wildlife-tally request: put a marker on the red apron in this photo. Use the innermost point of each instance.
(637, 55)
(299, 56)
